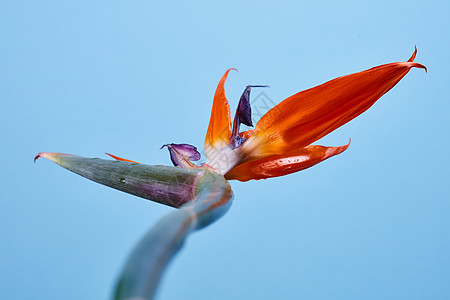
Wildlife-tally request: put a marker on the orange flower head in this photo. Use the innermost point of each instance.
(280, 142)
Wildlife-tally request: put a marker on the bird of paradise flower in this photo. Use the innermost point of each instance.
(279, 144)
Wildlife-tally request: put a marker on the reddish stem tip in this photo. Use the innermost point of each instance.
(37, 156)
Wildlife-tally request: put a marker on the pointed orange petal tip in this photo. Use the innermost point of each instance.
(224, 78)
(228, 71)
(53, 156)
(413, 57)
(121, 159)
(332, 151)
(417, 65)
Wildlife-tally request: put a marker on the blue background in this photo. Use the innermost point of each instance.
(125, 77)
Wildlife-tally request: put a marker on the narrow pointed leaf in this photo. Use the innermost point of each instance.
(167, 185)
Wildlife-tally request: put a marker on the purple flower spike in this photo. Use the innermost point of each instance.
(243, 116)
(182, 155)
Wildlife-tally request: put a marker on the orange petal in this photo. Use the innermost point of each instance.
(219, 129)
(279, 165)
(309, 115)
(121, 159)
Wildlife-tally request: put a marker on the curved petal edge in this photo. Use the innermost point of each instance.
(279, 165)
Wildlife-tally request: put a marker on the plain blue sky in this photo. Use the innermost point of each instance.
(125, 77)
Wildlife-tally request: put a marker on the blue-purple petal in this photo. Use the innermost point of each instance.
(244, 111)
(243, 116)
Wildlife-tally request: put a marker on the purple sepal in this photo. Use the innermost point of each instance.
(182, 155)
